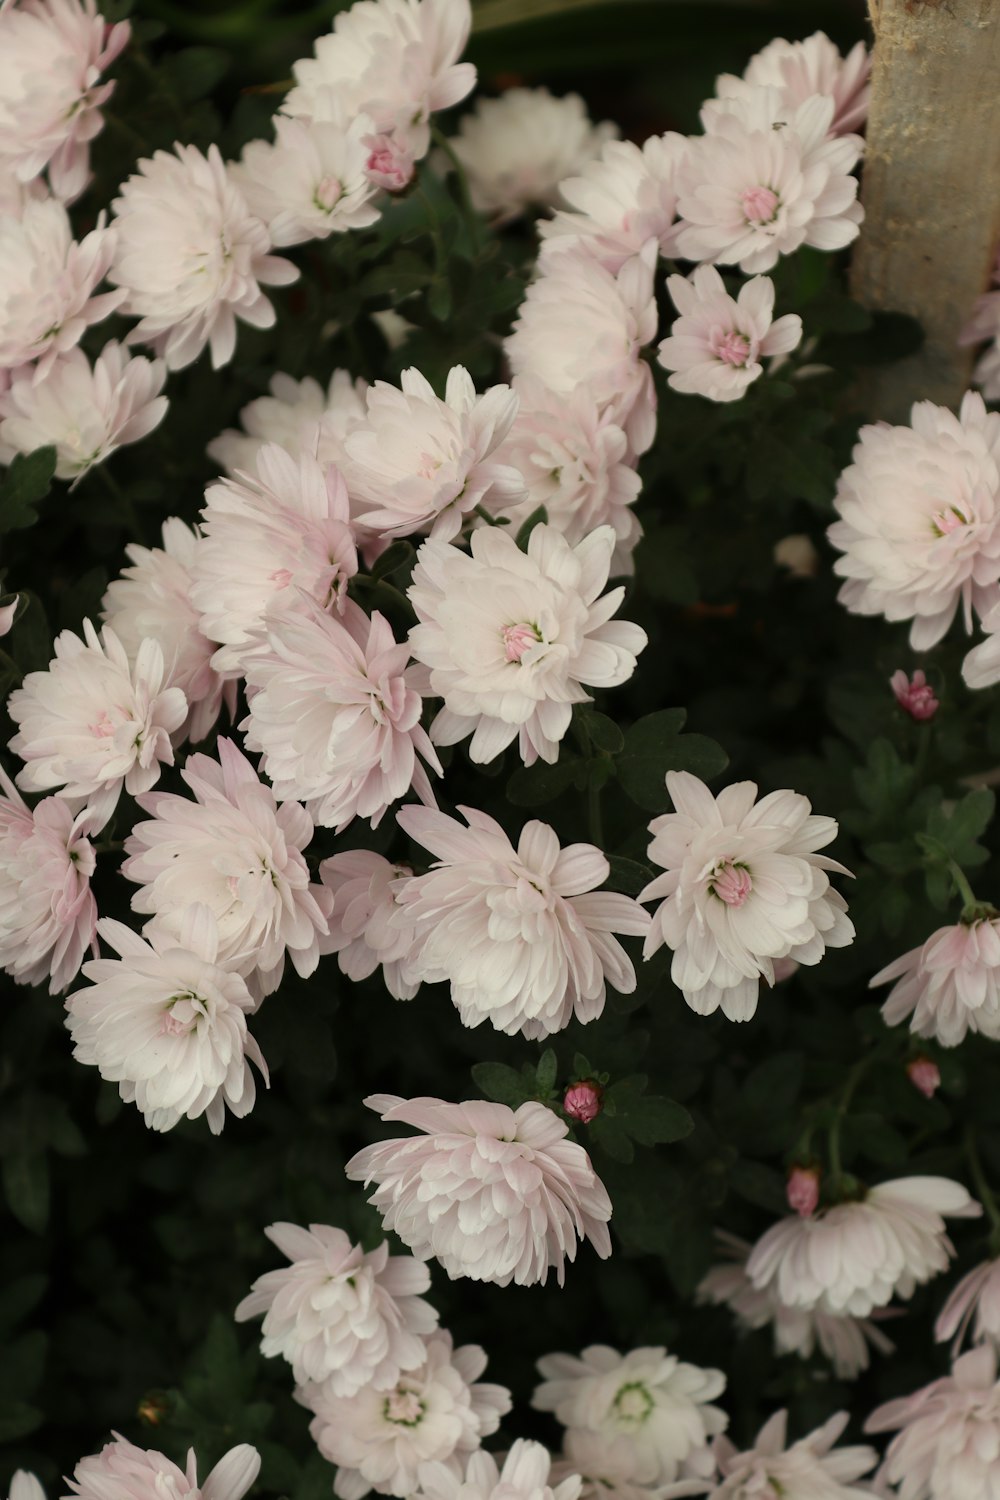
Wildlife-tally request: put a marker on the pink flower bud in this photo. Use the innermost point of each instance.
(802, 1190)
(924, 1075)
(582, 1101)
(915, 695)
(389, 164)
(7, 613)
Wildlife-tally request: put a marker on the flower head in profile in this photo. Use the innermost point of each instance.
(419, 463)
(48, 914)
(858, 1255)
(94, 722)
(235, 851)
(311, 182)
(716, 345)
(814, 66)
(983, 326)
(167, 1023)
(523, 936)
(919, 523)
(299, 416)
(975, 1304)
(342, 1318)
(494, 1194)
(512, 639)
(518, 148)
(123, 1472)
(811, 1469)
(743, 886)
(620, 201)
(948, 986)
(436, 1413)
(191, 258)
(367, 924)
(525, 1475)
(652, 1410)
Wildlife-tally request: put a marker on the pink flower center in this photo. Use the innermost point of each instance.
(328, 190)
(517, 639)
(429, 465)
(102, 727)
(731, 348)
(403, 1407)
(948, 520)
(760, 204)
(731, 883)
(282, 577)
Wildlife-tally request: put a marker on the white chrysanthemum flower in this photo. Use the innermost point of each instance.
(86, 413)
(128, 1473)
(512, 639)
(525, 1475)
(856, 1256)
(236, 852)
(581, 326)
(191, 257)
(984, 324)
(95, 722)
(919, 524)
(52, 53)
(336, 715)
(651, 1409)
(843, 1340)
(341, 1317)
(517, 149)
(981, 667)
(267, 540)
(417, 463)
(765, 179)
(621, 200)
(437, 1413)
(151, 600)
(25, 1486)
(494, 1194)
(947, 1446)
(524, 937)
(743, 886)
(395, 60)
(811, 1469)
(14, 195)
(48, 914)
(814, 66)
(365, 890)
(716, 345)
(47, 282)
(976, 1301)
(606, 1473)
(948, 986)
(575, 462)
(311, 182)
(167, 1023)
(298, 415)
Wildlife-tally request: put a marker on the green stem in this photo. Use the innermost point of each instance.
(484, 515)
(962, 886)
(121, 499)
(854, 1077)
(465, 197)
(979, 1182)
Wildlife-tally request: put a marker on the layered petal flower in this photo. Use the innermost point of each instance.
(811, 1469)
(525, 1475)
(123, 1472)
(298, 415)
(311, 182)
(618, 203)
(716, 344)
(368, 927)
(815, 66)
(948, 986)
(974, 1302)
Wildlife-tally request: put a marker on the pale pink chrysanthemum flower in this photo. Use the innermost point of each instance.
(511, 640)
(575, 462)
(48, 914)
(310, 182)
(365, 890)
(335, 712)
(811, 1469)
(167, 1022)
(579, 325)
(419, 463)
(151, 600)
(52, 54)
(85, 412)
(437, 1413)
(526, 1474)
(339, 1316)
(494, 1194)
(915, 695)
(843, 1340)
(268, 539)
(981, 667)
(191, 257)
(607, 1472)
(123, 1472)
(947, 1443)
(743, 886)
(764, 180)
(47, 283)
(518, 148)
(25, 1486)
(919, 524)
(235, 851)
(858, 1255)
(948, 986)
(652, 1409)
(717, 342)
(975, 1301)
(14, 195)
(395, 60)
(620, 201)
(983, 326)
(94, 723)
(298, 415)
(815, 66)
(523, 936)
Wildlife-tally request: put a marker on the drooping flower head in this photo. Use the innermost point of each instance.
(311, 182)
(525, 1475)
(811, 1469)
(620, 201)
(948, 986)
(524, 937)
(814, 66)
(300, 416)
(716, 344)
(123, 1472)
(743, 886)
(974, 1302)
(367, 927)
(495, 1194)
(342, 1318)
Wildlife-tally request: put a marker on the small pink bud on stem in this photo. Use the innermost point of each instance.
(802, 1190)
(582, 1101)
(915, 695)
(924, 1075)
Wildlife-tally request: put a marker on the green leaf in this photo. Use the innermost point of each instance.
(654, 746)
(654, 1121)
(545, 1073)
(627, 875)
(504, 1084)
(885, 783)
(759, 1184)
(602, 732)
(26, 1186)
(538, 517)
(193, 73)
(399, 555)
(608, 1132)
(18, 1419)
(957, 830)
(533, 786)
(771, 1089)
(27, 481)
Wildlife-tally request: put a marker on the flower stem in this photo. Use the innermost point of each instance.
(924, 737)
(981, 1186)
(465, 197)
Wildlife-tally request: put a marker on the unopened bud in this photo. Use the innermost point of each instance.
(152, 1409)
(924, 1075)
(802, 1190)
(582, 1101)
(915, 695)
